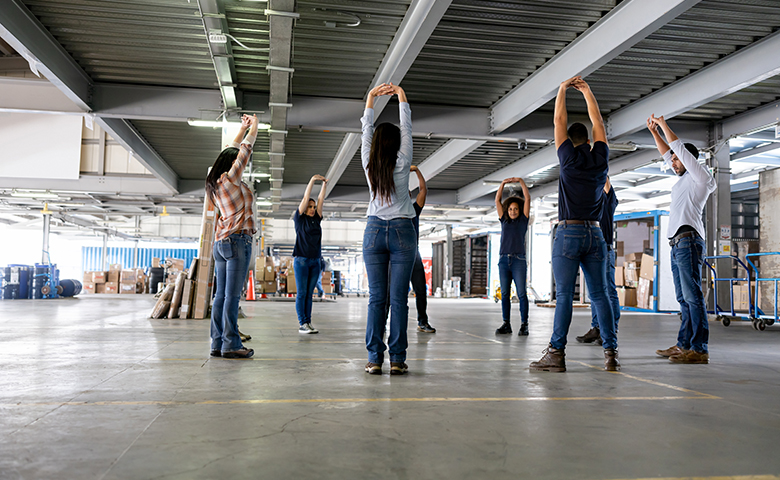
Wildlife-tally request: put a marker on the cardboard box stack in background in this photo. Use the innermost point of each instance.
(627, 296)
(114, 271)
(327, 278)
(644, 294)
(620, 279)
(631, 266)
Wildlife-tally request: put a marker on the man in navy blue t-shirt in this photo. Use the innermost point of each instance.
(579, 241)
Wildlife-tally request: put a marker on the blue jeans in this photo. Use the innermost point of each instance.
(389, 247)
(578, 246)
(320, 291)
(611, 291)
(513, 267)
(231, 263)
(687, 259)
(307, 271)
(420, 288)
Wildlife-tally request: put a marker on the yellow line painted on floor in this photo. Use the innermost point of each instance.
(651, 382)
(477, 336)
(353, 400)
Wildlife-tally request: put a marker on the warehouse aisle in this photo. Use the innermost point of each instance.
(91, 388)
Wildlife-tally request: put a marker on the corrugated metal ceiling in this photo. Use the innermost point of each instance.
(483, 161)
(190, 151)
(149, 42)
(334, 60)
(308, 153)
(482, 49)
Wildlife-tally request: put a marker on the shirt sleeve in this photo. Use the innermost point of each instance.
(565, 152)
(405, 152)
(699, 172)
(367, 122)
(239, 164)
(668, 158)
(417, 208)
(601, 150)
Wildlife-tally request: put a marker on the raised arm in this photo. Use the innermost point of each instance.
(405, 151)
(307, 194)
(321, 197)
(561, 118)
(423, 193)
(652, 125)
(499, 193)
(245, 148)
(599, 131)
(526, 197)
(699, 172)
(367, 121)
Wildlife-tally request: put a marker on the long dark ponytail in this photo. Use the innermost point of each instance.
(221, 165)
(382, 159)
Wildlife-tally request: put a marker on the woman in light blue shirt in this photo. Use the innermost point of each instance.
(390, 241)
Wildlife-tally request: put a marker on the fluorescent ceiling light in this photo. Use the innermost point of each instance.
(32, 194)
(542, 170)
(264, 203)
(219, 124)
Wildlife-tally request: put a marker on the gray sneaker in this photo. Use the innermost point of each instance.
(307, 328)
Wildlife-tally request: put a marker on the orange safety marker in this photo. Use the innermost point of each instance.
(250, 289)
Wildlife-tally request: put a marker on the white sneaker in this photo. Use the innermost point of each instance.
(307, 328)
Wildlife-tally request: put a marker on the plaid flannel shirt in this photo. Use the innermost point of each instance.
(234, 199)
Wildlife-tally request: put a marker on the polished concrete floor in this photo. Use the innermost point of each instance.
(90, 388)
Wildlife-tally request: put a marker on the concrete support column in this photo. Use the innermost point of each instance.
(448, 274)
(718, 223)
(769, 234)
(135, 247)
(105, 252)
(46, 229)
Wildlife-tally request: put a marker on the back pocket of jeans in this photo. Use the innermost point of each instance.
(227, 248)
(572, 244)
(369, 237)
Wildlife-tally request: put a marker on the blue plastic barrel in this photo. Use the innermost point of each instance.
(42, 273)
(69, 288)
(25, 278)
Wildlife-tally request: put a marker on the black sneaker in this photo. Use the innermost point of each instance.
(504, 329)
(425, 328)
(216, 353)
(243, 353)
(594, 334)
(523, 329)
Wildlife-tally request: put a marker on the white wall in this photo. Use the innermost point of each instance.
(40, 146)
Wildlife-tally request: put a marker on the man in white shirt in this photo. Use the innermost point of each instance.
(686, 228)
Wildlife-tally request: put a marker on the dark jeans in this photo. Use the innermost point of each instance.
(611, 291)
(578, 246)
(307, 271)
(420, 288)
(687, 259)
(513, 267)
(389, 248)
(231, 263)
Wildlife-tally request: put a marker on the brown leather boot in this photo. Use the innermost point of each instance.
(670, 352)
(611, 362)
(552, 361)
(590, 337)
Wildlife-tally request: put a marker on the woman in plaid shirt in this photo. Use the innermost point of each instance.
(233, 243)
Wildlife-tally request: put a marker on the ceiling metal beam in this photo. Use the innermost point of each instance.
(93, 184)
(747, 66)
(213, 16)
(753, 120)
(620, 29)
(124, 133)
(418, 24)
(20, 28)
(745, 154)
(280, 23)
(447, 155)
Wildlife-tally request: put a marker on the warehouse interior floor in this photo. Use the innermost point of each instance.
(90, 388)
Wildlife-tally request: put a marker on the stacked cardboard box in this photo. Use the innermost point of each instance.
(127, 282)
(204, 279)
(627, 296)
(327, 279)
(620, 279)
(631, 266)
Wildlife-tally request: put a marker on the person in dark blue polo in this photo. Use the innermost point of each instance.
(512, 265)
(579, 242)
(307, 252)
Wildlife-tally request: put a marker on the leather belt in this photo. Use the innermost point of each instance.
(674, 240)
(592, 223)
